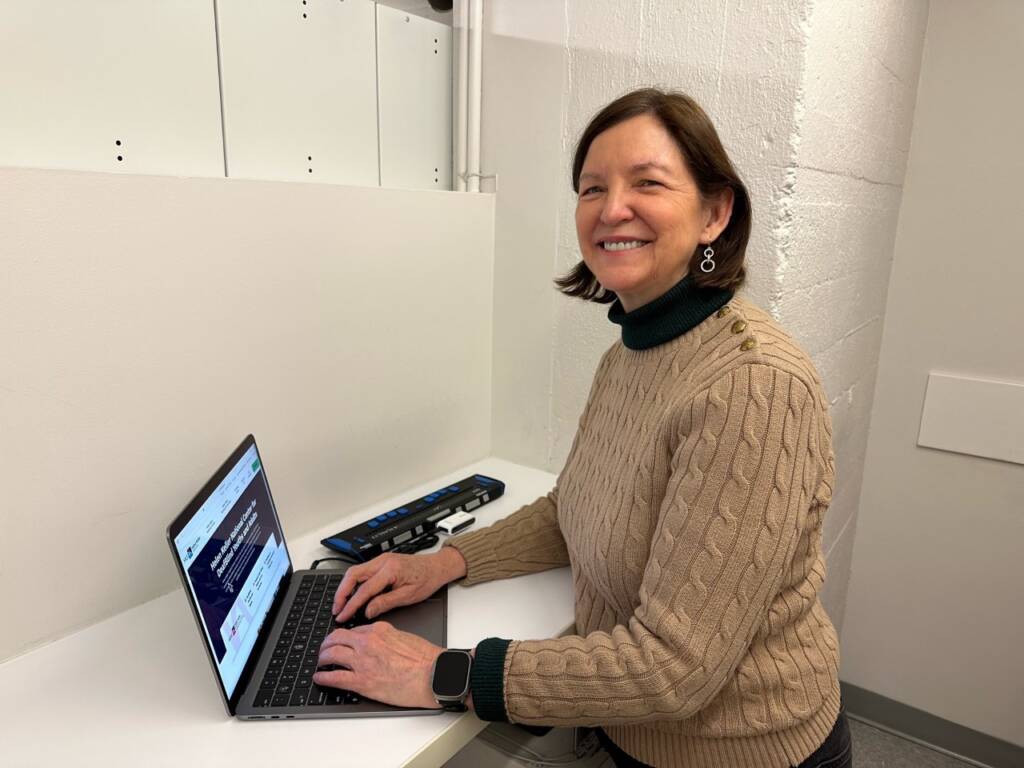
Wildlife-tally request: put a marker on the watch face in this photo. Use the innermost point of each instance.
(451, 674)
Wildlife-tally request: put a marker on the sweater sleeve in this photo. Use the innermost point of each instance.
(527, 541)
(742, 479)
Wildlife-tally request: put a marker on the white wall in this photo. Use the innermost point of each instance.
(836, 225)
(524, 78)
(148, 323)
(813, 102)
(934, 617)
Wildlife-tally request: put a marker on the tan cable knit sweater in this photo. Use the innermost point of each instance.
(690, 510)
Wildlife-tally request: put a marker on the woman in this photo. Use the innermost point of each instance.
(690, 507)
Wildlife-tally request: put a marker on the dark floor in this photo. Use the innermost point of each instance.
(875, 748)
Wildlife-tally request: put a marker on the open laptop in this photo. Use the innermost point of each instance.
(261, 621)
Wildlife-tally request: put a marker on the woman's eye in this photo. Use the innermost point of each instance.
(589, 190)
(649, 183)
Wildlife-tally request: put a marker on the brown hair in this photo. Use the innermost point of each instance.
(706, 159)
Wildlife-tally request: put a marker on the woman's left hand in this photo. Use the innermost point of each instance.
(381, 663)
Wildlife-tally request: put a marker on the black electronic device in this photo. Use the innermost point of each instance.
(416, 518)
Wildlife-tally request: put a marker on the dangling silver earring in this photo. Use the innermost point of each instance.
(708, 265)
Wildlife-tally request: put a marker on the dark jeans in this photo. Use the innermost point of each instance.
(835, 752)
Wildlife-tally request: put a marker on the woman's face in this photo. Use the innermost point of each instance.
(640, 216)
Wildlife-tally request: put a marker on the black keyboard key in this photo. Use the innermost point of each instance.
(304, 682)
(263, 699)
(299, 698)
(336, 696)
(317, 696)
(279, 700)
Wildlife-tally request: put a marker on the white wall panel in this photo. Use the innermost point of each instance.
(299, 82)
(974, 416)
(78, 77)
(148, 323)
(415, 91)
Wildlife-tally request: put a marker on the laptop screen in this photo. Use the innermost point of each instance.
(233, 555)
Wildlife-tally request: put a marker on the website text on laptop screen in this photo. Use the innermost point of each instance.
(233, 553)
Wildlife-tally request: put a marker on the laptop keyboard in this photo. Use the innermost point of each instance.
(288, 680)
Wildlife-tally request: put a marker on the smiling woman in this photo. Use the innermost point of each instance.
(691, 504)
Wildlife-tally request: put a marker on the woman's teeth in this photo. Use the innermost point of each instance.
(622, 246)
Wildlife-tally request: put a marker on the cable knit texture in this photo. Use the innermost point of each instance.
(690, 510)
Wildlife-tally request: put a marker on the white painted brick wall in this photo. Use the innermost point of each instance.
(856, 110)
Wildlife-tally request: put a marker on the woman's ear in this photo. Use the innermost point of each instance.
(717, 212)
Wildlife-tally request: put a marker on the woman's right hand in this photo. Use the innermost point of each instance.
(411, 579)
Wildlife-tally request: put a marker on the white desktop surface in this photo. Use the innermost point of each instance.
(138, 689)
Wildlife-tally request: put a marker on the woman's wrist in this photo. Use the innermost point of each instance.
(453, 564)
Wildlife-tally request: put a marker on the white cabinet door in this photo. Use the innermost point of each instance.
(415, 83)
(299, 89)
(110, 85)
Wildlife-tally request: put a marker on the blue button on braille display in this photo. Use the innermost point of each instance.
(453, 488)
(431, 498)
(392, 513)
(381, 518)
(403, 511)
(373, 523)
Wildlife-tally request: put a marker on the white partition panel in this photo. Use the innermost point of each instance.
(110, 85)
(299, 89)
(147, 324)
(415, 91)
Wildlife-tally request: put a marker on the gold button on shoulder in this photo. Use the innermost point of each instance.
(739, 326)
(748, 345)
(723, 311)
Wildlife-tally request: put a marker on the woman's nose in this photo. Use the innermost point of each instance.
(616, 208)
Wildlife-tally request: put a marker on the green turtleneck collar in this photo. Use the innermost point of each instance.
(672, 314)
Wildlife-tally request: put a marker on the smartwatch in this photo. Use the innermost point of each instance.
(449, 679)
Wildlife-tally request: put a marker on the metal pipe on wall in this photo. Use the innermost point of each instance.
(462, 93)
(476, 33)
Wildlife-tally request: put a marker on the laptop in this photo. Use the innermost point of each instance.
(260, 620)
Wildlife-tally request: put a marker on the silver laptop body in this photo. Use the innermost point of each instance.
(233, 561)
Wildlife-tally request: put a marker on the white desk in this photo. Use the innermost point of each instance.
(137, 689)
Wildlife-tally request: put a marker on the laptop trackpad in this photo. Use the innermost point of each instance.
(426, 619)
